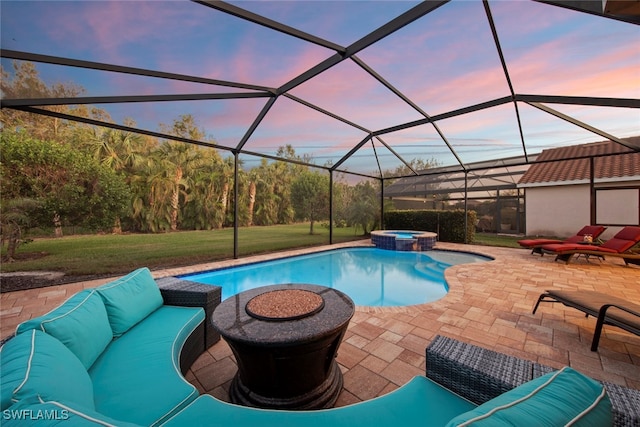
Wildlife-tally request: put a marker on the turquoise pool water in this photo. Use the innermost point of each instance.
(403, 235)
(370, 276)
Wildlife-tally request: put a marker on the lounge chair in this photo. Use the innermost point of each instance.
(619, 246)
(535, 244)
(609, 310)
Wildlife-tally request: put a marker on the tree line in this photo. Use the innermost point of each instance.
(57, 173)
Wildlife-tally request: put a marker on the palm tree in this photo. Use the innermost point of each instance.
(202, 208)
(121, 151)
(178, 161)
(283, 176)
(254, 177)
(364, 207)
(153, 203)
(226, 176)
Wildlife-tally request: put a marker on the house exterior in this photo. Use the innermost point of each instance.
(561, 196)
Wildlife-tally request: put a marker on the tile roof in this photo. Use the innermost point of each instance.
(577, 168)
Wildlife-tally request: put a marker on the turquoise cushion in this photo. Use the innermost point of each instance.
(56, 414)
(559, 398)
(80, 323)
(130, 299)
(36, 364)
(419, 403)
(138, 377)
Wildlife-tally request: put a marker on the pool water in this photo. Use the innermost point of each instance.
(402, 235)
(370, 276)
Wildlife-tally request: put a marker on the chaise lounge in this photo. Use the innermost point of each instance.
(588, 230)
(618, 246)
(609, 310)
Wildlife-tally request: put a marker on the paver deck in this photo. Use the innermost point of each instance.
(488, 304)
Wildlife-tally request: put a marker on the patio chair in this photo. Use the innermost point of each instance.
(535, 244)
(618, 246)
(609, 310)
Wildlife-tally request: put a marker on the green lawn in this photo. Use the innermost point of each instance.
(490, 239)
(115, 254)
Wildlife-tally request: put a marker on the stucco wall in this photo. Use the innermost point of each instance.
(563, 210)
(557, 211)
(620, 206)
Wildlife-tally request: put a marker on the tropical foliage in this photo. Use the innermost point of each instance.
(15, 216)
(68, 185)
(310, 197)
(112, 180)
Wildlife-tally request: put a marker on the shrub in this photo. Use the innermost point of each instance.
(448, 224)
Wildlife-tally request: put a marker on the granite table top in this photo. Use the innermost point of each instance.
(232, 319)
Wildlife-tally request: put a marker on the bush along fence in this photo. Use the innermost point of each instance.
(448, 224)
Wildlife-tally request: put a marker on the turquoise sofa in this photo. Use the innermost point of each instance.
(423, 402)
(112, 356)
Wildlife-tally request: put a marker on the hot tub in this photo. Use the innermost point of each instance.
(404, 240)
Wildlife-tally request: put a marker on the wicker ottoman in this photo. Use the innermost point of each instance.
(176, 291)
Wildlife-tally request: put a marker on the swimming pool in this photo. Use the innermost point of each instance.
(370, 276)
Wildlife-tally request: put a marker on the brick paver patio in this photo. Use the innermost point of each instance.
(488, 304)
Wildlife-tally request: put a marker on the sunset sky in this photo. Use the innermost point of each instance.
(444, 61)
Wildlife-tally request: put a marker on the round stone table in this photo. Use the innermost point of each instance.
(285, 339)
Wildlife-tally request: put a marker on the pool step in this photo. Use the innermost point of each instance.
(433, 270)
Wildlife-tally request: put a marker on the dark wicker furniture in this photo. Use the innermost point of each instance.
(480, 374)
(176, 291)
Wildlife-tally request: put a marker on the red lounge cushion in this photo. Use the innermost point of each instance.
(558, 247)
(629, 233)
(527, 243)
(595, 249)
(594, 230)
(618, 245)
(564, 247)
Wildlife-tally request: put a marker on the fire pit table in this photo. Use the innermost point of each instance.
(285, 339)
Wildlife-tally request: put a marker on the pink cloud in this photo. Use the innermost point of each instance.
(444, 61)
(567, 52)
(497, 121)
(252, 64)
(89, 29)
(544, 70)
(440, 63)
(349, 91)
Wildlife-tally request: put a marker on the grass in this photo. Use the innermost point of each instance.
(490, 239)
(116, 254)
